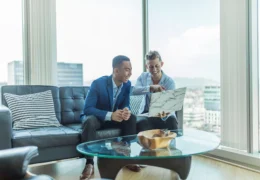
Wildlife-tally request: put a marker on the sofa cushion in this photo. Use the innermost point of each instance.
(30, 89)
(76, 127)
(32, 110)
(46, 137)
(72, 103)
(101, 133)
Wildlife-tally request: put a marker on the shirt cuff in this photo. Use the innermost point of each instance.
(108, 116)
(146, 89)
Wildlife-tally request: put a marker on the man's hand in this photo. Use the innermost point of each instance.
(163, 114)
(156, 88)
(117, 115)
(126, 114)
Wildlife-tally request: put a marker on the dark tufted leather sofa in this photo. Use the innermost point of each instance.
(54, 143)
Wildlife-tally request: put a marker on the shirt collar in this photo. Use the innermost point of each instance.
(161, 80)
(163, 77)
(115, 86)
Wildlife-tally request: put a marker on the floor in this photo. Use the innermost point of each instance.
(202, 168)
(150, 172)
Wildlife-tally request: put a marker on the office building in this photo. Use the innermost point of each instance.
(212, 105)
(68, 74)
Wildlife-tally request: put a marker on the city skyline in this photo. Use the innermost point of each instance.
(192, 82)
(68, 74)
(195, 82)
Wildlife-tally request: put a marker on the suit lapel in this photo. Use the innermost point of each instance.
(110, 91)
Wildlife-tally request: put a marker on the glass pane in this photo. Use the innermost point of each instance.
(186, 34)
(258, 8)
(91, 32)
(11, 55)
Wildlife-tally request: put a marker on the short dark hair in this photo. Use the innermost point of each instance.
(117, 61)
(151, 55)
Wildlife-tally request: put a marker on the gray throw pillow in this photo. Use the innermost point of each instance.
(32, 110)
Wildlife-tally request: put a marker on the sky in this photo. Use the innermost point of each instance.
(10, 34)
(92, 32)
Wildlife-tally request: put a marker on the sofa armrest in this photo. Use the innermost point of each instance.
(179, 115)
(14, 162)
(5, 127)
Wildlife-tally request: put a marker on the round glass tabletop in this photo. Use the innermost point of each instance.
(187, 143)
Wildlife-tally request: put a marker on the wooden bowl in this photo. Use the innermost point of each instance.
(156, 138)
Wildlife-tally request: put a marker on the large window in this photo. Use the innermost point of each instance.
(258, 49)
(91, 32)
(186, 33)
(11, 55)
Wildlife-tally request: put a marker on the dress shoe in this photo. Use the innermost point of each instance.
(133, 167)
(87, 172)
(142, 166)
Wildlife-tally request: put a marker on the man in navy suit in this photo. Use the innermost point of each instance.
(107, 106)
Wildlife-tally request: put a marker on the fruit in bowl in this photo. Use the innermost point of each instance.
(155, 138)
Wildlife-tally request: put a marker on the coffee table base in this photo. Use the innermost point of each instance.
(108, 168)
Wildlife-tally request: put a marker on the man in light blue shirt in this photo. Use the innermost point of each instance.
(149, 82)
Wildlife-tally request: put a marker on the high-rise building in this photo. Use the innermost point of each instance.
(212, 98)
(193, 113)
(212, 105)
(193, 116)
(15, 73)
(68, 74)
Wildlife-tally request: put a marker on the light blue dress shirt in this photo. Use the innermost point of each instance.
(142, 86)
(116, 92)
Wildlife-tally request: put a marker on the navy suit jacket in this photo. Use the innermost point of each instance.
(100, 97)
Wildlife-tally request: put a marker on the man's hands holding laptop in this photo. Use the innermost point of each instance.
(163, 114)
(121, 114)
(156, 88)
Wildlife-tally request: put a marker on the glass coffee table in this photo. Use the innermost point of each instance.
(115, 153)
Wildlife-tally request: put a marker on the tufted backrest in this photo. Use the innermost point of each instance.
(69, 101)
(72, 101)
(30, 89)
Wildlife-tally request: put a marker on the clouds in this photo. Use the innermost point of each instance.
(195, 43)
(194, 53)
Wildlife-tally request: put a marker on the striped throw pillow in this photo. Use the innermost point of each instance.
(135, 103)
(32, 110)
